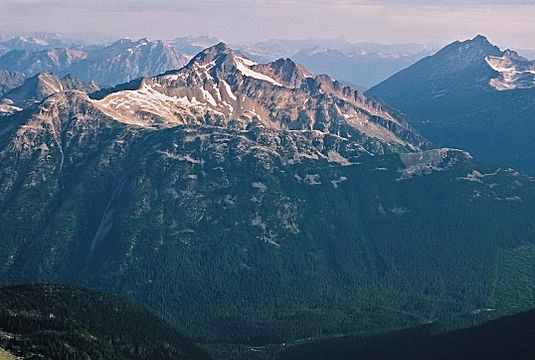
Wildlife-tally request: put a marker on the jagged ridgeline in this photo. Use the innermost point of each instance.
(253, 204)
(58, 323)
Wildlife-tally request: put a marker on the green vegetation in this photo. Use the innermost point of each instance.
(219, 234)
(515, 280)
(59, 323)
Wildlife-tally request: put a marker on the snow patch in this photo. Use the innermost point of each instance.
(340, 180)
(244, 65)
(312, 179)
(208, 97)
(514, 72)
(229, 90)
(179, 157)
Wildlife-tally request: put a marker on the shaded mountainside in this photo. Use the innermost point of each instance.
(204, 195)
(58, 322)
(30, 62)
(505, 338)
(121, 61)
(473, 96)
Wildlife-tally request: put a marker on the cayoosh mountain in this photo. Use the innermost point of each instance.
(470, 95)
(252, 204)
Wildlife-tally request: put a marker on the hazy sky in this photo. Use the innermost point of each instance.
(388, 21)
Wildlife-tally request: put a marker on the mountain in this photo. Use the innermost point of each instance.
(508, 337)
(39, 87)
(359, 64)
(470, 95)
(58, 322)
(127, 59)
(9, 80)
(229, 89)
(252, 204)
(121, 61)
(31, 62)
(38, 41)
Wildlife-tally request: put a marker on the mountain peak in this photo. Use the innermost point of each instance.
(478, 42)
(216, 50)
(218, 53)
(481, 39)
(286, 71)
(128, 42)
(37, 88)
(481, 43)
(458, 56)
(221, 47)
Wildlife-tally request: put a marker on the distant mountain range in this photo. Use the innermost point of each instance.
(37, 41)
(121, 61)
(361, 65)
(473, 96)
